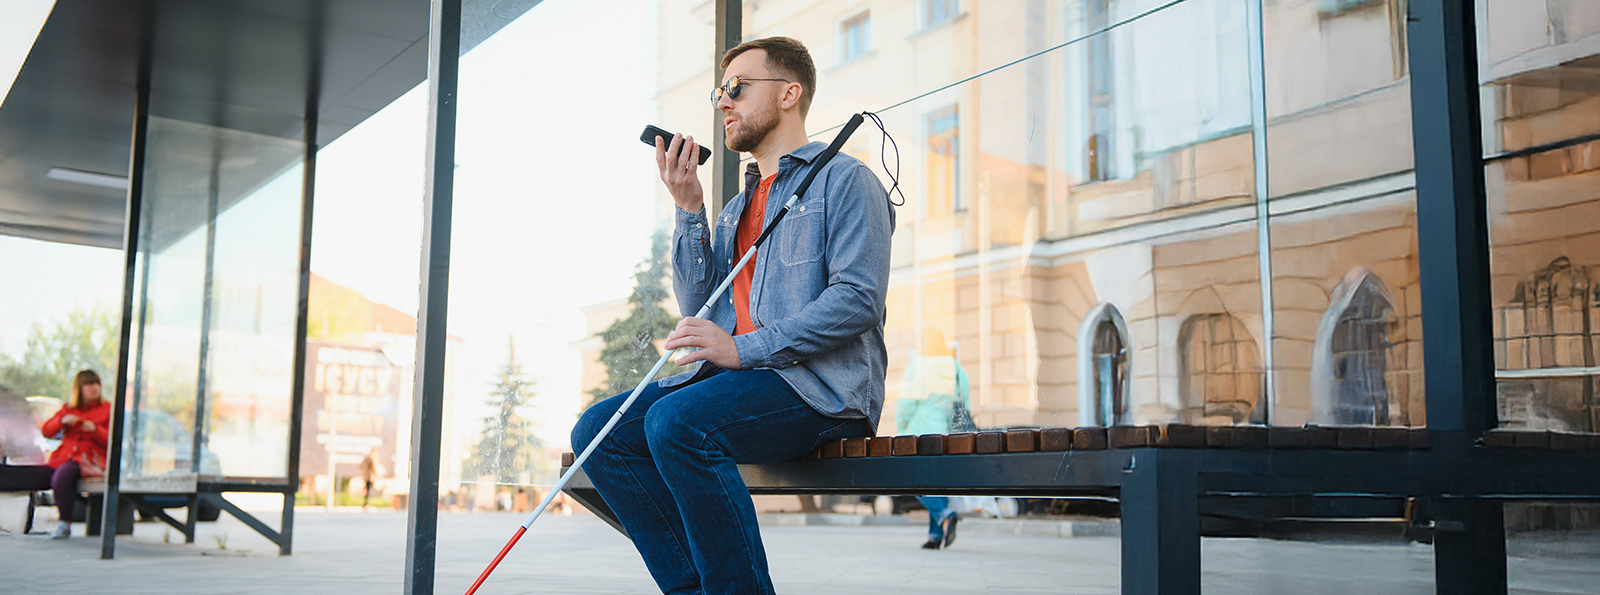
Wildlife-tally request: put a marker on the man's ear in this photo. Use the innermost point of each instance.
(791, 96)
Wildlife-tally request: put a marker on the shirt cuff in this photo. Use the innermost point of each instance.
(693, 224)
(756, 352)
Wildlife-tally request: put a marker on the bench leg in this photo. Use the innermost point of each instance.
(95, 510)
(193, 519)
(1469, 546)
(1160, 527)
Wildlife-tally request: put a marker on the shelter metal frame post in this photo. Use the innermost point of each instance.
(1453, 255)
(130, 257)
(1258, 134)
(297, 398)
(1452, 222)
(308, 187)
(725, 161)
(206, 306)
(444, 56)
(1160, 525)
(1469, 545)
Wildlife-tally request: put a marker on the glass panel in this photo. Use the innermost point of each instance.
(560, 293)
(1551, 547)
(235, 351)
(1347, 329)
(1541, 109)
(1003, 266)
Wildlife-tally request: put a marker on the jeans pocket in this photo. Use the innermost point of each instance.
(829, 435)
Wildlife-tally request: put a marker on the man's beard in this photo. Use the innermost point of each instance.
(753, 130)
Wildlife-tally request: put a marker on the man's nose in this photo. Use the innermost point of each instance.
(725, 103)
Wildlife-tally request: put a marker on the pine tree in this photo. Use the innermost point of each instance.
(508, 445)
(630, 349)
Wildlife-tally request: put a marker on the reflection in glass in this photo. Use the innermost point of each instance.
(1539, 117)
(1347, 334)
(217, 302)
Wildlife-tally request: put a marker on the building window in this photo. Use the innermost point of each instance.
(1220, 375)
(1097, 16)
(936, 12)
(1104, 370)
(1545, 348)
(1351, 358)
(944, 162)
(855, 36)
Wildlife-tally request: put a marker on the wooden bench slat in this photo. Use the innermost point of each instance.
(1129, 436)
(1286, 437)
(960, 444)
(1180, 436)
(880, 446)
(930, 444)
(1055, 439)
(904, 446)
(1090, 438)
(855, 448)
(1354, 438)
(834, 449)
(988, 443)
(1022, 441)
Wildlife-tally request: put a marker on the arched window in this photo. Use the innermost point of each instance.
(1220, 375)
(1350, 364)
(1545, 348)
(1103, 365)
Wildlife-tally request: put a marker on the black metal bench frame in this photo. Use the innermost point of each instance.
(1459, 492)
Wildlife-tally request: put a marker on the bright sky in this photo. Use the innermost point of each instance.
(554, 204)
(553, 197)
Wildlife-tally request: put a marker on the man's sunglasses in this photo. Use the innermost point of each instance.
(733, 87)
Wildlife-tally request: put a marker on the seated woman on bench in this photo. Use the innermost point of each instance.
(82, 424)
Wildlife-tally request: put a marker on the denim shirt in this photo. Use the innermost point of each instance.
(818, 293)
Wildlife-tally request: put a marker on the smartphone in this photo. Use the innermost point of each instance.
(651, 133)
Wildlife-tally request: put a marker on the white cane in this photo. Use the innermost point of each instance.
(822, 160)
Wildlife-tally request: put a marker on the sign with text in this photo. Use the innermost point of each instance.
(351, 406)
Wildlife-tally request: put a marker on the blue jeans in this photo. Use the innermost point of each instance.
(938, 508)
(670, 471)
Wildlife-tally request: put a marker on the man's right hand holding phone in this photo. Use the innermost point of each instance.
(679, 165)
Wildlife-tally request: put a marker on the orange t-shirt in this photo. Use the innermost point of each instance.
(755, 214)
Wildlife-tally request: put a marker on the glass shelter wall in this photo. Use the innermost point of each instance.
(1541, 118)
(216, 301)
(1081, 241)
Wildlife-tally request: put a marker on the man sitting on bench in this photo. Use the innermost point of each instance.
(794, 359)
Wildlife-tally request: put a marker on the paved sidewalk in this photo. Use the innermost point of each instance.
(353, 553)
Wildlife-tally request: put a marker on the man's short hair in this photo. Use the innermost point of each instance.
(786, 57)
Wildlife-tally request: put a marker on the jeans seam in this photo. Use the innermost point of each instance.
(678, 548)
(705, 453)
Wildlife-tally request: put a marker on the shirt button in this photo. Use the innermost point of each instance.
(802, 209)
(697, 226)
(698, 260)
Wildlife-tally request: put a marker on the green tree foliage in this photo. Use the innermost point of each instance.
(630, 349)
(86, 339)
(508, 445)
(336, 313)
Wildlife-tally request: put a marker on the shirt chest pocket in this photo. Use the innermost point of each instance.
(727, 227)
(802, 237)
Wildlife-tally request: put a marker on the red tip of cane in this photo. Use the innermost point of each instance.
(497, 559)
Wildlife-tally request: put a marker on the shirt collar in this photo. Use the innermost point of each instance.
(805, 154)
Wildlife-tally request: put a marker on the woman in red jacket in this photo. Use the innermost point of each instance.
(82, 425)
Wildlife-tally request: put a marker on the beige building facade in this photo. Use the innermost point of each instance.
(1089, 214)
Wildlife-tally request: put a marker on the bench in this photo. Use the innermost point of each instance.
(1165, 475)
(135, 490)
(203, 499)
